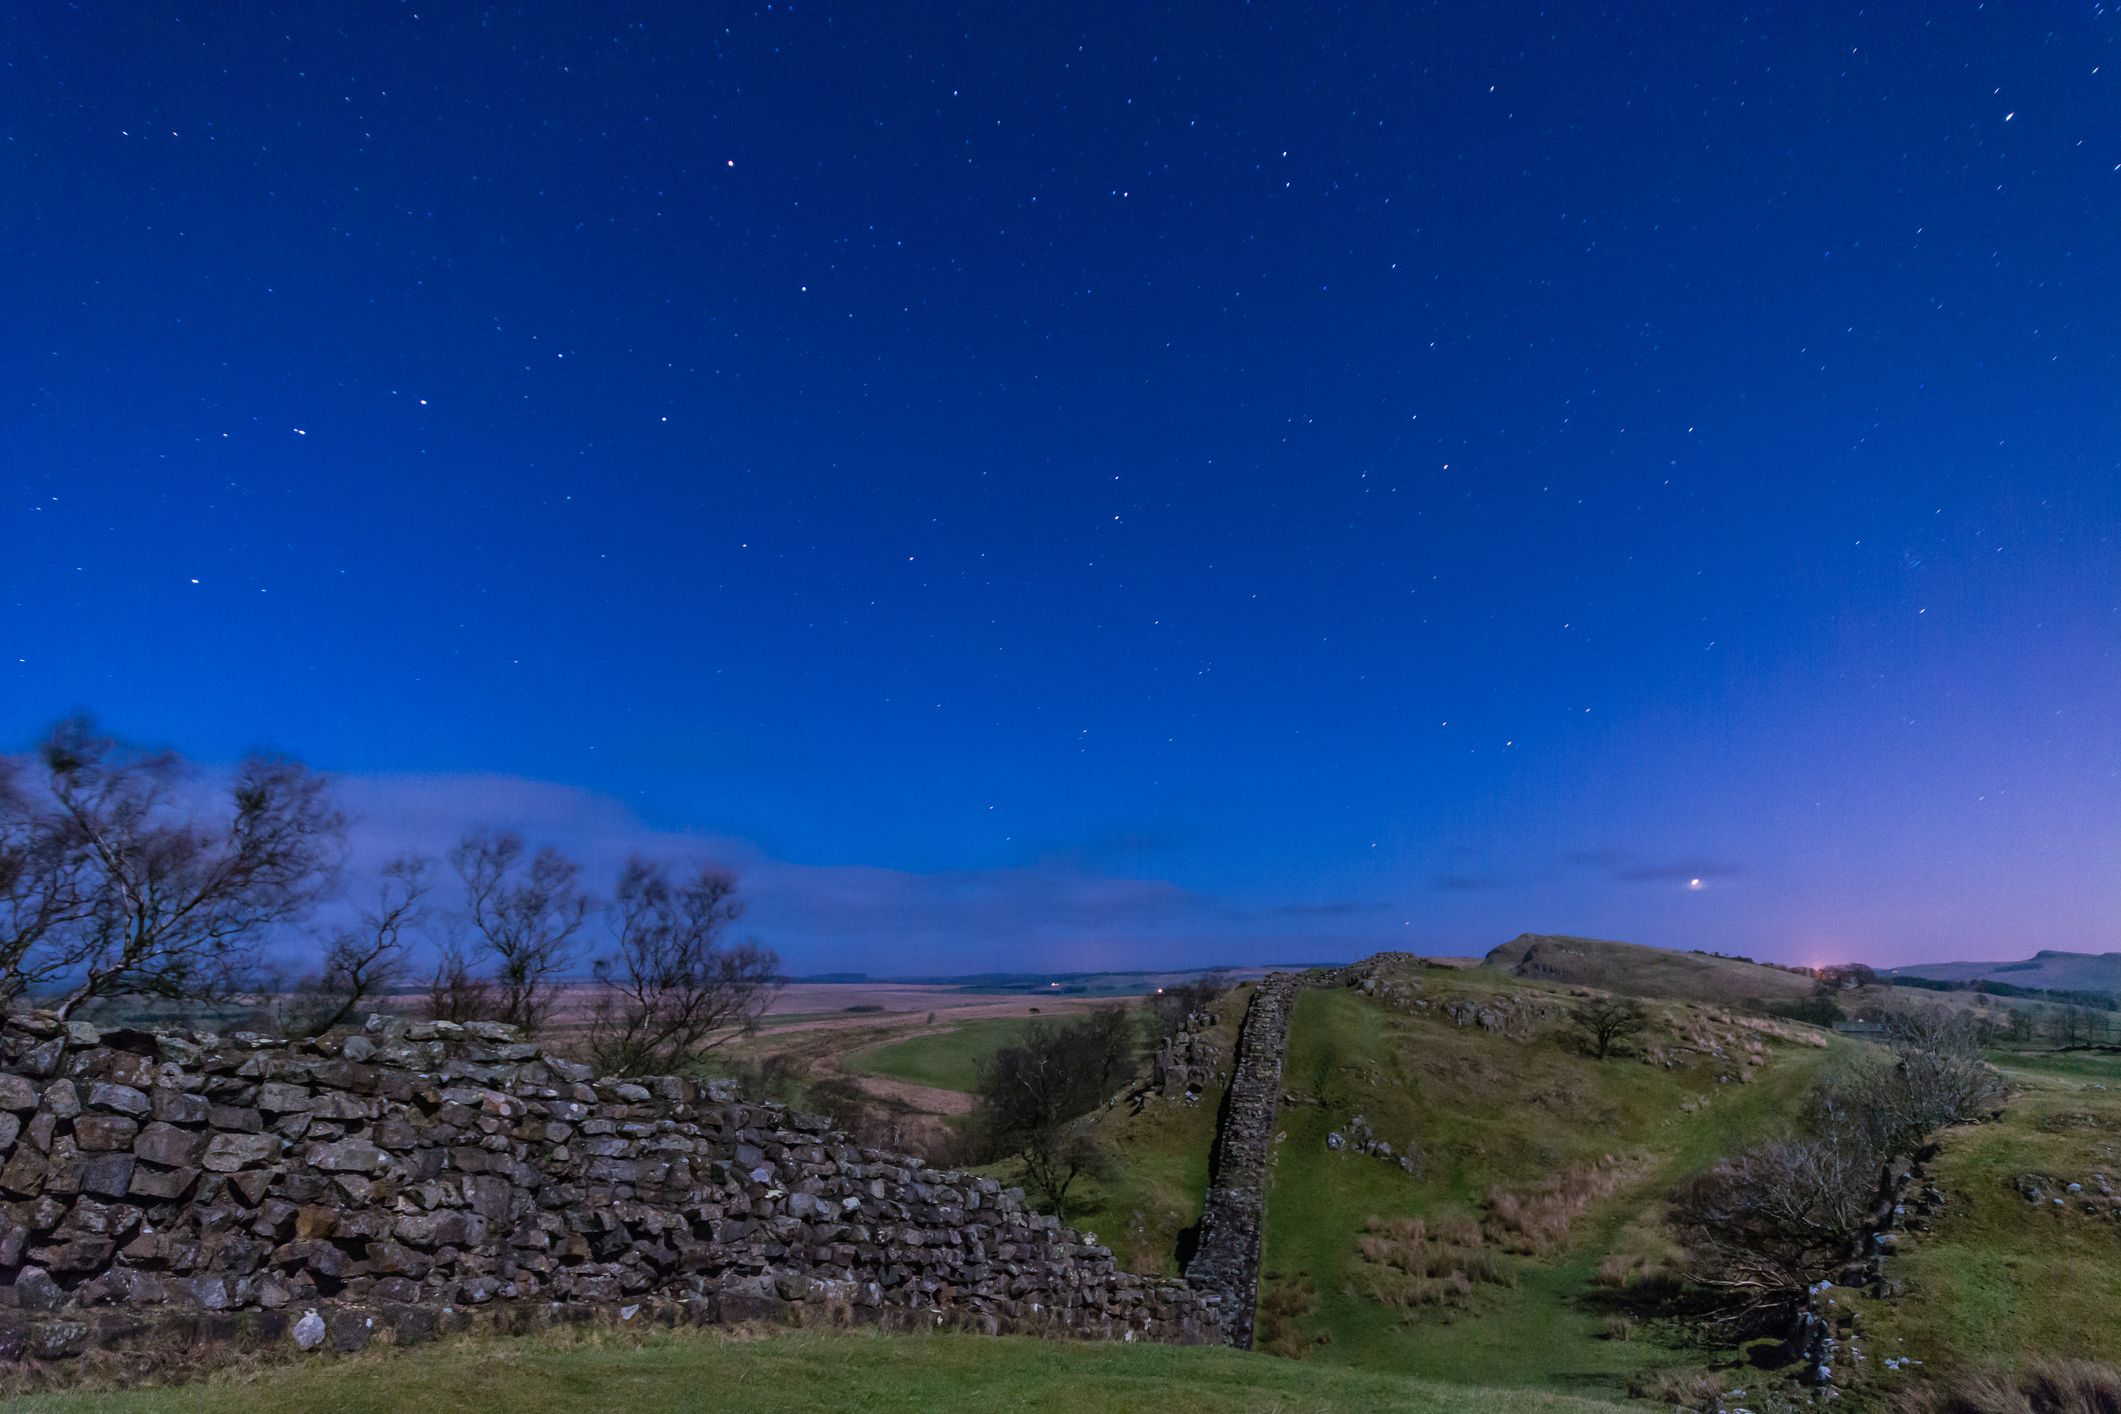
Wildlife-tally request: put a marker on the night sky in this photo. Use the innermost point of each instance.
(1069, 485)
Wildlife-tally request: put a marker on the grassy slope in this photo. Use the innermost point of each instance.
(1999, 1276)
(1483, 1109)
(947, 1060)
(1154, 1190)
(1641, 971)
(798, 1371)
(1144, 1201)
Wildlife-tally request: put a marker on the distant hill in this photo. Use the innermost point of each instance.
(1641, 971)
(2048, 970)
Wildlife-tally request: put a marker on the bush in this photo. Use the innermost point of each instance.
(1768, 1221)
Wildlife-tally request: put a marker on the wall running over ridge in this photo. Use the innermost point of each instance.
(1233, 1219)
(422, 1177)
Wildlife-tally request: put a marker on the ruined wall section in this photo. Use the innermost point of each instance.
(1233, 1217)
(403, 1178)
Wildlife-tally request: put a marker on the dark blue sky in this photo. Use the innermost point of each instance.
(1042, 484)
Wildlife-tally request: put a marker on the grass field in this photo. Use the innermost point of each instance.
(946, 1060)
(667, 1371)
(1640, 971)
(2001, 1276)
(1153, 1193)
(1483, 1109)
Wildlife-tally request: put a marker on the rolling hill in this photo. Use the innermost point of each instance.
(1637, 970)
(2049, 970)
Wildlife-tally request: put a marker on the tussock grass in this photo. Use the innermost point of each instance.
(2042, 1387)
(1537, 1220)
(1278, 1325)
(1408, 1264)
(1689, 1389)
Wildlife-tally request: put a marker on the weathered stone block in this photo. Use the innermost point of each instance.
(110, 1175)
(119, 1099)
(165, 1144)
(278, 1097)
(226, 1153)
(151, 1182)
(96, 1133)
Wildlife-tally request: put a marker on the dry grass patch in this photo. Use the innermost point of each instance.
(2042, 1387)
(1286, 1301)
(1537, 1220)
(1689, 1389)
(1408, 1263)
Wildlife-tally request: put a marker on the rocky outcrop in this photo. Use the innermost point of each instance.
(1187, 1061)
(1232, 1220)
(403, 1178)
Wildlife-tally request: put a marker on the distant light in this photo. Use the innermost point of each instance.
(1693, 883)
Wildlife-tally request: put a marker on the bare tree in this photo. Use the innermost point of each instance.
(366, 957)
(524, 911)
(455, 991)
(1764, 1223)
(179, 907)
(1030, 1094)
(674, 992)
(1941, 1078)
(44, 892)
(1605, 1022)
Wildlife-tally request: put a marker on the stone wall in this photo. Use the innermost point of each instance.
(1232, 1220)
(416, 1176)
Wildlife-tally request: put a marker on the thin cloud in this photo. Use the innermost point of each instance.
(1464, 883)
(1629, 867)
(1050, 913)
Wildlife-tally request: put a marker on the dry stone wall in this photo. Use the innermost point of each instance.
(419, 1177)
(1232, 1221)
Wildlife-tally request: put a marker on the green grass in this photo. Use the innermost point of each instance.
(1999, 1277)
(1154, 1189)
(800, 1371)
(1482, 1109)
(947, 1060)
(1642, 971)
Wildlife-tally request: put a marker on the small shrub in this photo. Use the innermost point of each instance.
(1619, 1328)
